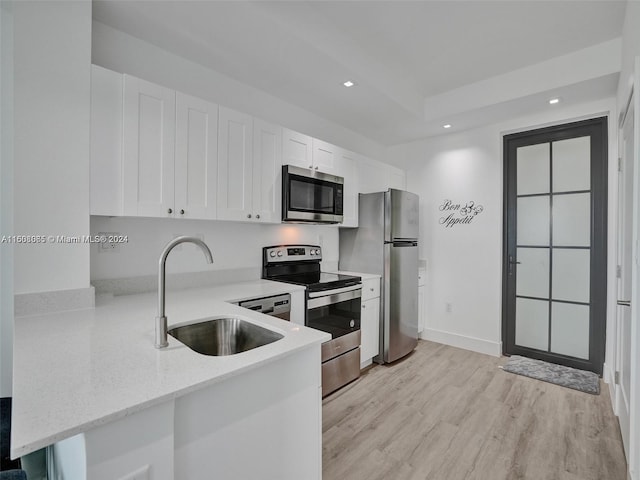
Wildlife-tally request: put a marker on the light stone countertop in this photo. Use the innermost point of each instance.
(75, 370)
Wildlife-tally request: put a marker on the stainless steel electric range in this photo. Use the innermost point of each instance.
(333, 306)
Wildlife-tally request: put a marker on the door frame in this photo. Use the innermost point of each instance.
(624, 415)
(634, 433)
(598, 289)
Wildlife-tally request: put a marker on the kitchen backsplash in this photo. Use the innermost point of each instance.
(132, 265)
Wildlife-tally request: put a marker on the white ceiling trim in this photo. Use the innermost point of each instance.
(589, 63)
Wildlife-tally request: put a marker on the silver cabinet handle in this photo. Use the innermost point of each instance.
(371, 289)
(624, 303)
(310, 166)
(248, 215)
(258, 216)
(170, 211)
(182, 212)
(316, 168)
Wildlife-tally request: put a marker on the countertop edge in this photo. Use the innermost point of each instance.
(274, 288)
(16, 452)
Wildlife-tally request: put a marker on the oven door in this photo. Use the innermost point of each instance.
(311, 196)
(336, 311)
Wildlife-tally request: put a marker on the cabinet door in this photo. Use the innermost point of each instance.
(296, 149)
(148, 148)
(196, 172)
(267, 171)
(235, 165)
(325, 157)
(376, 176)
(106, 142)
(370, 329)
(421, 309)
(347, 170)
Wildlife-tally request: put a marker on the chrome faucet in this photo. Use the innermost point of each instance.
(161, 319)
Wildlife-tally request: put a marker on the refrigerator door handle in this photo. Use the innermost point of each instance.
(396, 243)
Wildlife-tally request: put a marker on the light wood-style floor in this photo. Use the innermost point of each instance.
(446, 414)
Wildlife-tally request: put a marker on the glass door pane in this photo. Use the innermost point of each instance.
(555, 243)
(553, 215)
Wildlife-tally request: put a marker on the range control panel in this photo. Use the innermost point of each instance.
(291, 253)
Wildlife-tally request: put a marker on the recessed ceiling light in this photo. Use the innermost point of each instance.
(553, 101)
(446, 126)
(348, 83)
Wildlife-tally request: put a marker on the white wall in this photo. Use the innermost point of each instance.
(630, 49)
(234, 245)
(124, 53)
(464, 262)
(6, 196)
(52, 58)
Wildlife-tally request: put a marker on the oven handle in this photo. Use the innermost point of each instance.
(337, 290)
(335, 296)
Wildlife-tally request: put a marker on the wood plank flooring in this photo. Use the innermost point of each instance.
(446, 414)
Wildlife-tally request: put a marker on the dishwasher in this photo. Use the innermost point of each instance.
(276, 306)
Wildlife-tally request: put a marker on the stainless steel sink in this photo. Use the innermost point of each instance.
(223, 336)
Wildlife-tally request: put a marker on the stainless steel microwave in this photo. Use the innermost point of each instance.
(311, 196)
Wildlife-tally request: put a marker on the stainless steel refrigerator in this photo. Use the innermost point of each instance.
(386, 243)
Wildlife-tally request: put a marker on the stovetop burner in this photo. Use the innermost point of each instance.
(300, 264)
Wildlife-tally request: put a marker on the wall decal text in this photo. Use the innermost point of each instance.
(457, 213)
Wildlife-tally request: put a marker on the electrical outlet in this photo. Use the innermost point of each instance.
(140, 474)
(109, 246)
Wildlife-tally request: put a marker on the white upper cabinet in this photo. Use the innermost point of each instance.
(235, 165)
(325, 157)
(376, 176)
(106, 142)
(148, 148)
(296, 149)
(306, 152)
(347, 166)
(267, 171)
(156, 152)
(196, 158)
(249, 168)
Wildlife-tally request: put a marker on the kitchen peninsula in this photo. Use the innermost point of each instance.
(90, 383)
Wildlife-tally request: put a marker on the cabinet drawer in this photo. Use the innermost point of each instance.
(370, 288)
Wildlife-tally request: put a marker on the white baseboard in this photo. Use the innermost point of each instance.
(365, 364)
(608, 374)
(462, 341)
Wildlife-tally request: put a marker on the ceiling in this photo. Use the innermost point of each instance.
(405, 57)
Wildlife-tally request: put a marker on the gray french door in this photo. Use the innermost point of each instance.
(554, 265)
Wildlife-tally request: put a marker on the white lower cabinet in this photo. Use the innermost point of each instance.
(370, 330)
(264, 423)
(370, 320)
(422, 307)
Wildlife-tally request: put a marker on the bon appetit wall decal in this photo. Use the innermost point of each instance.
(458, 213)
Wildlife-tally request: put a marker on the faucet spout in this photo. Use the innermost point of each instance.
(161, 319)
